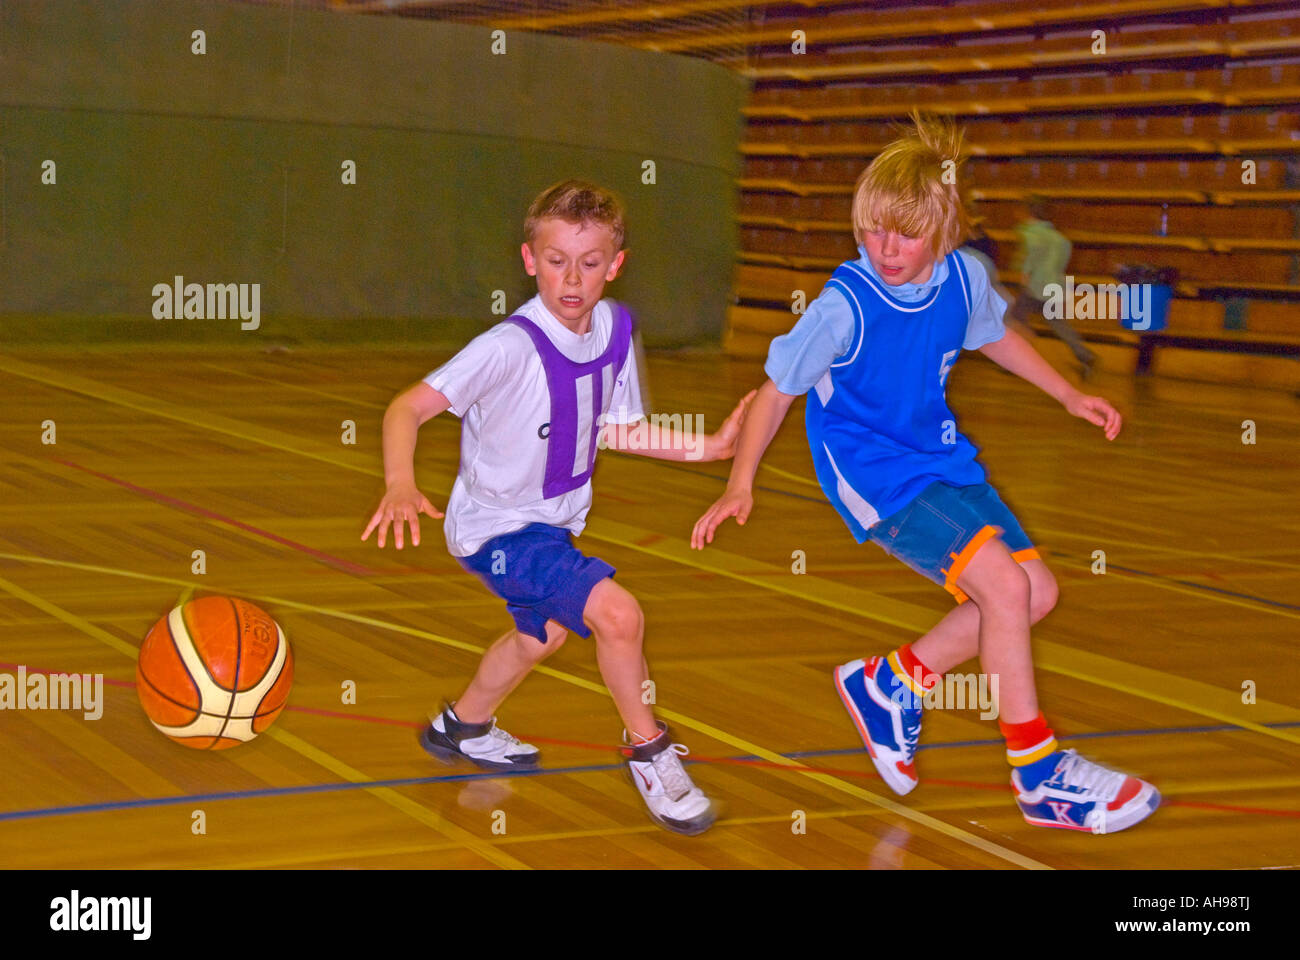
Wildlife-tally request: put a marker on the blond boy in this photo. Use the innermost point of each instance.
(873, 353)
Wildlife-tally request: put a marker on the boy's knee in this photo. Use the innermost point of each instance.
(994, 577)
(615, 615)
(1043, 594)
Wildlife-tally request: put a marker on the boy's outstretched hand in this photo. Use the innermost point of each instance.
(723, 441)
(1097, 411)
(733, 503)
(401, 503)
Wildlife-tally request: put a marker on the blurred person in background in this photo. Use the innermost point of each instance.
(1042, 258)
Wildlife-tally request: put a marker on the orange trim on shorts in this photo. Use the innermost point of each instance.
(1020, 556)
(959, 560)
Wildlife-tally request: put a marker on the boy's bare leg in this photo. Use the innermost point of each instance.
(956, 638)
(995, 582)
(502, 668)
(616, 617)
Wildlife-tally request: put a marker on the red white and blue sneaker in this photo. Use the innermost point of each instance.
(1076, 794)
(888, 718)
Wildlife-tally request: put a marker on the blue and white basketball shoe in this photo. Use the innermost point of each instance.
(1076, 794)
(888, 718)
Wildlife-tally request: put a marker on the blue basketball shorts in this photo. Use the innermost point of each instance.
(540, 575)
(939, 532)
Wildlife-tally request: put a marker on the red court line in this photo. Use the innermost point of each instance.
(701, 758)
(346, 566)
(1231, 808)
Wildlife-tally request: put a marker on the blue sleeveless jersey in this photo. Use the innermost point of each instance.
(879, 426)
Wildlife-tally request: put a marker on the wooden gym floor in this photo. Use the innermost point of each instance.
(238, 453)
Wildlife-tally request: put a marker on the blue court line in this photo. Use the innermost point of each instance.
(141, 802)
(1207, 587)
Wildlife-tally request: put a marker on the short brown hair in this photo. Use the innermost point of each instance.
(578, 201)
(905, 189)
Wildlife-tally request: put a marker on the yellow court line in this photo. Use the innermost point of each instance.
(288, 443)
(298, 745)
(981, 799)
(871, 609)
(1107, 538)
(295, 386)
(1180, 588)
(647, 829)
(871, 606)
(681, 719)
(1198, 554)
(1082, 673)
(71, 619)
(1194, 697)
(396, 800)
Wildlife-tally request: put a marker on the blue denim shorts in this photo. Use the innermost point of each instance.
(938, 532)
(540, 575)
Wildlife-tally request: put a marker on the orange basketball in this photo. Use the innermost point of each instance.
(214, 673)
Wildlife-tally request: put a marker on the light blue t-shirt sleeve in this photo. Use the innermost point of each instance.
(986, 306)
(798, 359)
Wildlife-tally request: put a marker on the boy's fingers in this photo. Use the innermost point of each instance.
(697, 539)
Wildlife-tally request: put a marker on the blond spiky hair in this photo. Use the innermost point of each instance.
(913, 186)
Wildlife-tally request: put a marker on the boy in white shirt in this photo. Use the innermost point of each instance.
(538, 393)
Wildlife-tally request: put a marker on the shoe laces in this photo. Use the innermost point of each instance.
(502, 735)
(1090, 778)
(668, 765)
(911, 720)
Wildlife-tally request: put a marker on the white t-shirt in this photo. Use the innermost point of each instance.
(497, 386)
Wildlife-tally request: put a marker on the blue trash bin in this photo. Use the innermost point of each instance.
(1158, 301)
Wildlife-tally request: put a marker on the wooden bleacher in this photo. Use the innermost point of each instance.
(859, 26)
(1139, 154)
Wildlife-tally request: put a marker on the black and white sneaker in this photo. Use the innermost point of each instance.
(483, 744)
(671, 798)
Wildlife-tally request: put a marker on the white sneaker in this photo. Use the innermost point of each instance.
(671, 798)
(484, 744)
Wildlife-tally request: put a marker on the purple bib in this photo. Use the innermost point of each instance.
(580, 394)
